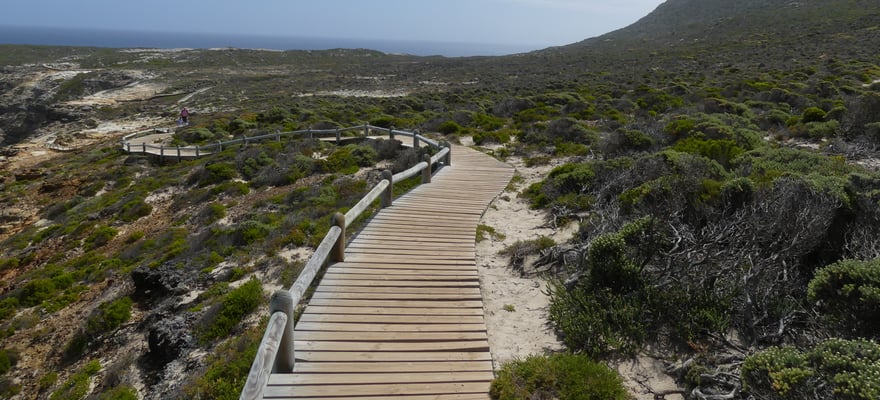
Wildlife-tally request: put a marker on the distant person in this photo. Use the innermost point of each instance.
(184, 116)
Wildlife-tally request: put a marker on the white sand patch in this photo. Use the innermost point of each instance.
(132, 92)
(645, 376)
(125, 126)
(360, 93)
(295, 254)
(515, 307)
(190, 96)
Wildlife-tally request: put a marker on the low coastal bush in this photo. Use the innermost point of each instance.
(226, 368)
(848, 291)
(834, 369)
(558, 376)
(236, 305)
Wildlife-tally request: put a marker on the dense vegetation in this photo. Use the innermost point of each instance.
(722, 172)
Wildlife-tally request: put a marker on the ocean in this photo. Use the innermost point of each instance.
(166, 40)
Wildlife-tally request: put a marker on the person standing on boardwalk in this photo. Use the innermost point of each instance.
(184, 116)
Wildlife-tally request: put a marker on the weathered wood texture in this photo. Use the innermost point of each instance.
(402, 317)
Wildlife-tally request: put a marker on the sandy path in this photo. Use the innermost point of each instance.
(515, 307)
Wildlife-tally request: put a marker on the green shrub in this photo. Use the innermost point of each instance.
(227, 368)
(558, 376)
(109, 316)
(635, 140)
(722, 151)
(849, 291)
(120, 393)
(236, 305)
(100, 237)
(818, 130)
(135, 209)
(9, 263)
(214, 212)
(193, 136)
(836, 368)
(487, 122)
(77, 386)
(48, 380)
(780, 369)
(813, 114)
(348, 159)
(449, 127)
(485, 232)
(680, 126)
(8, 307)
(219, 172)
(499, 137)
(249, 232)
(36, 291)
(8, 359)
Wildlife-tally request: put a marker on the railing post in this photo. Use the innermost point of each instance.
(197, 151)
(416, 139)
(278, 135)
(284, 361)
(366, 130)
(338, 252)
(219, 146)
(144, 144)
(161, 153)
(178, 153)
(338, 136)
(388, 194)
(426, 173)
(448, 158)
(128, 146)
(391, 133)
(310, 134)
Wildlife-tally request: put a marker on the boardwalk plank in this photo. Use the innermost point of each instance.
(389, 337)
(459, 346)
(388, 327)
(384, 367)
(428, 305)
(402, 317)
(357, 356)
(396, 389)
(327, 310)
(369, 378)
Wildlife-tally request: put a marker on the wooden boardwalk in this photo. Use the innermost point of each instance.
(402, 317)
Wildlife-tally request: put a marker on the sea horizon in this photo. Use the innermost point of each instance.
(77, 37)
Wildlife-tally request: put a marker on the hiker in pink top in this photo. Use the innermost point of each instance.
(184, 116)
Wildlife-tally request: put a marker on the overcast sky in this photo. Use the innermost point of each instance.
(538, 23)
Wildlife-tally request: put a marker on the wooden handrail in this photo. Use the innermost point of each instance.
(261, 369)
(415, 170)
(365, 202)
(204, 150)
(276, 352)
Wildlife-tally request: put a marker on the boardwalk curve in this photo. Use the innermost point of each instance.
(402, 316)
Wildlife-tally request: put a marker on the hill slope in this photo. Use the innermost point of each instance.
(696, 86)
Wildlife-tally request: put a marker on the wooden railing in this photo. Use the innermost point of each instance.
(276, 351)
(199, 151)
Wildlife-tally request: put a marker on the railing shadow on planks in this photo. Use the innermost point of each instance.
(132, 146)
(276, 352)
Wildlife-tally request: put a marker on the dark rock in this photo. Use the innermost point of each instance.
(163, 280)
(168, 339)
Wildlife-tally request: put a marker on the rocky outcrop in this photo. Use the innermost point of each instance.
(160, 282)
(168, 339)
(32, 97)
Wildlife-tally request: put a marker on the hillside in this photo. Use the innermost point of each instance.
(717, 162)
